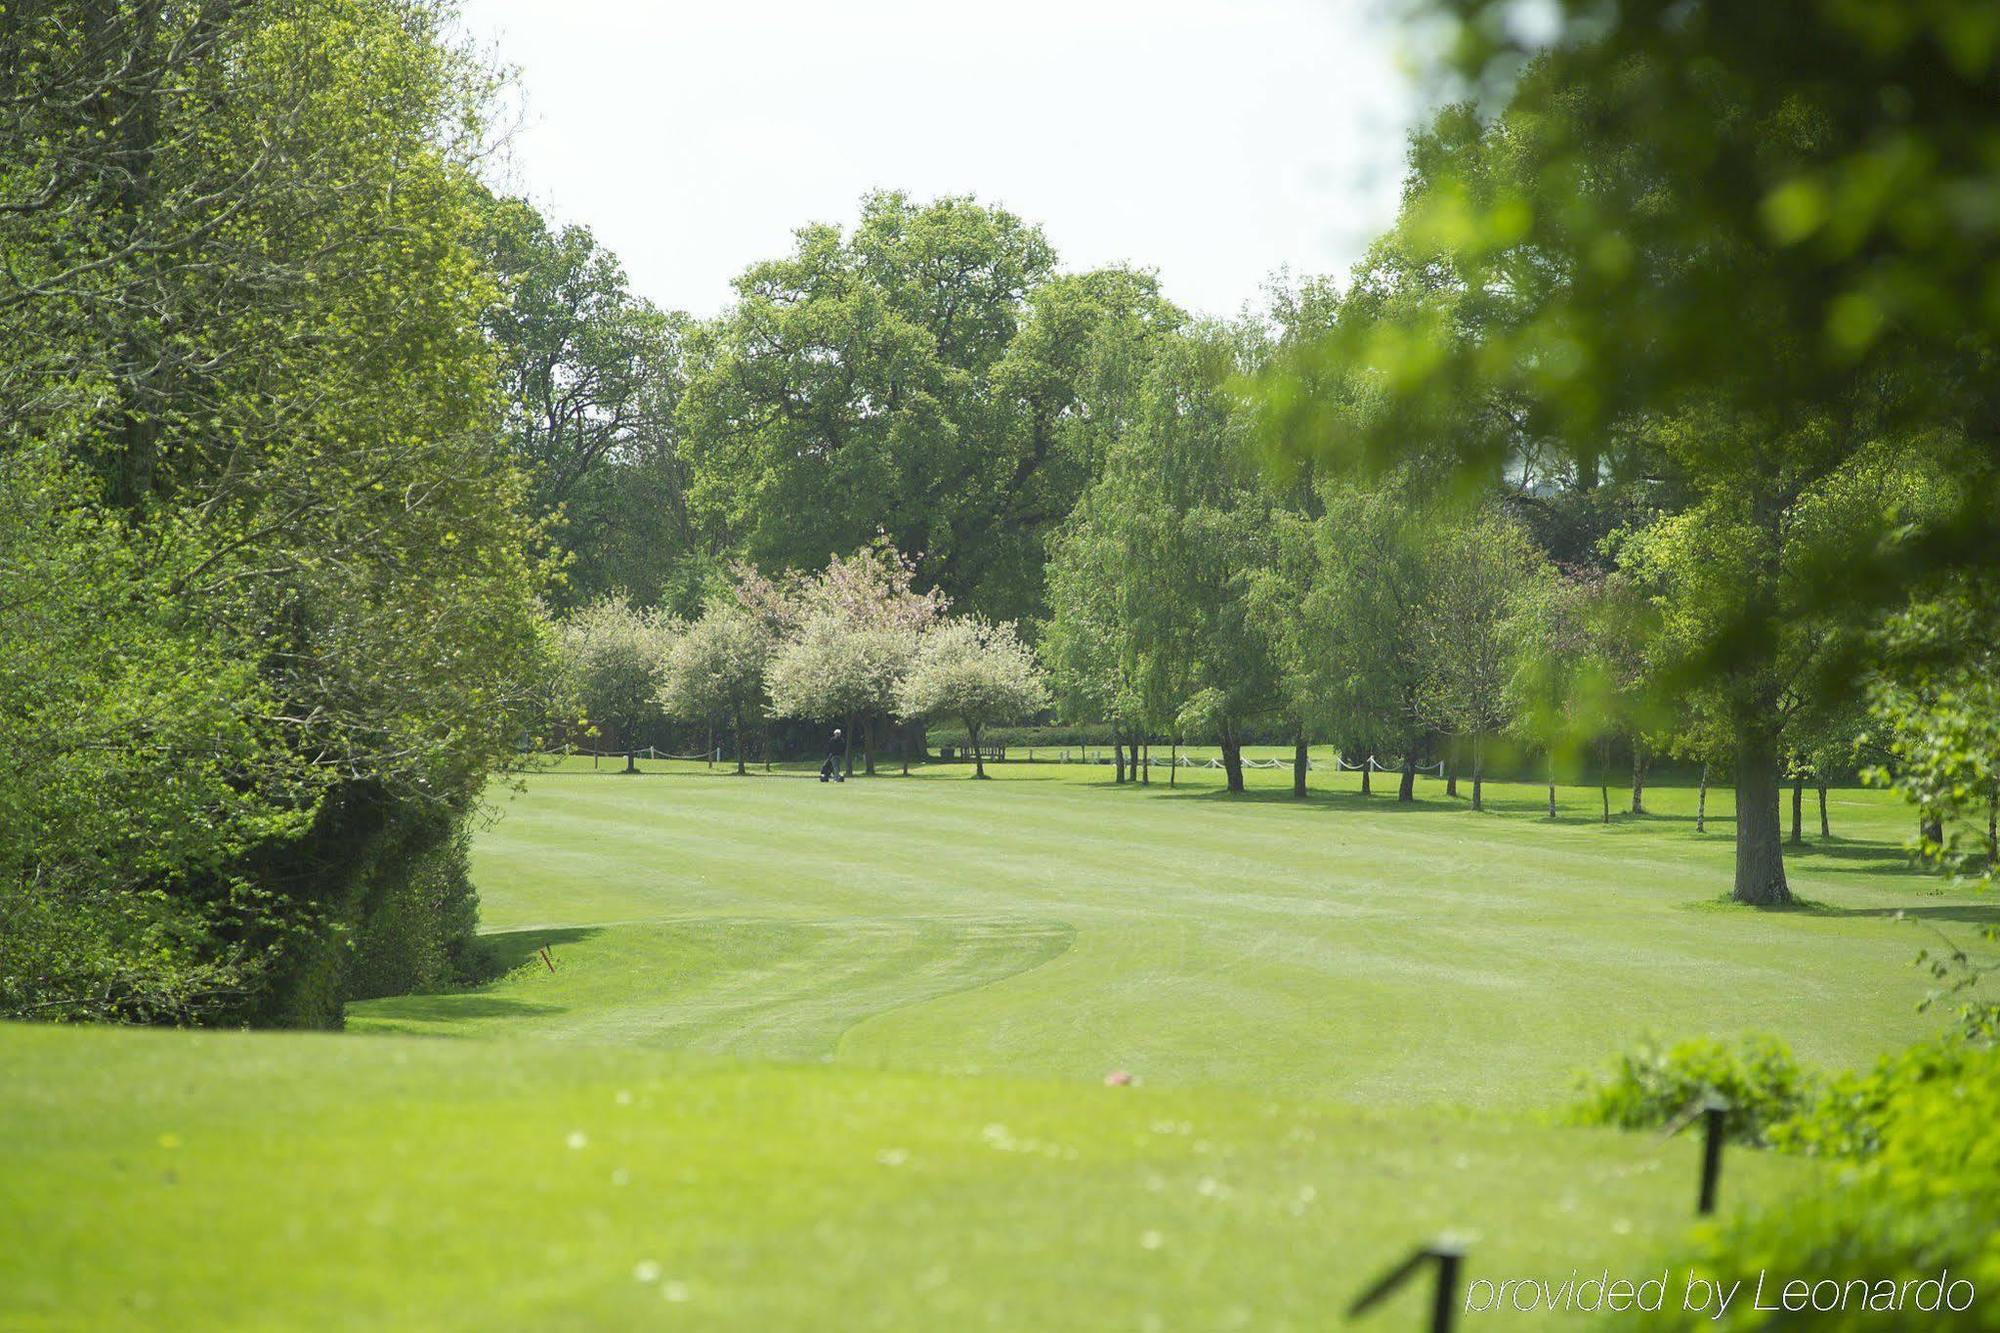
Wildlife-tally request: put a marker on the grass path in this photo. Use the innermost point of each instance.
(1340, 948)
(832, 1056)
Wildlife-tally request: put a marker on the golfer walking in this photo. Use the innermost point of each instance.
(830, 770)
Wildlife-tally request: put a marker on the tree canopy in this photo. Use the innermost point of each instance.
(250, 413)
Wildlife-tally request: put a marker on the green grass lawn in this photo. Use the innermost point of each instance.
(833, 1056)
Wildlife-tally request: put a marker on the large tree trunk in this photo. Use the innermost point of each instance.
(1639, 762)
(1118, 757)
(1299, 763)
(1232, 757)
(1478, 773)
(1406, 790)
(1174, 760)
(1701, 803)
(1798, 811)
(978, 757)
(1760, 848)
(1145, 760)
(1367, 767)
(1825, 829)
(1931, 828)
(1451, 767)
(1552, 784)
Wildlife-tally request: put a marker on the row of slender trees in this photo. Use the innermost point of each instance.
(1192, 595)
(852, 644)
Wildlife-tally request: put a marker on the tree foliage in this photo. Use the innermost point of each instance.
(1573, 289)
(716, 668)
(614, 660)
(854, 630)
(247, 401)
(919, 375)
(592, 377)
(975, 672)
(1167, 551)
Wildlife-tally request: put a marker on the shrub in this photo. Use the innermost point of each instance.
(1918, 1200)
(417, 930)
(1650, 1085)
(111, 956)
(1848, 1117)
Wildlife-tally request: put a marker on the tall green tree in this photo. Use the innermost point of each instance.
(1733, 578)
(1181, 529)
(1376, 601)
(1485, 573)
(592, 376)
(244, 302)
(1280, 594)
(1557, 691)
(903, 376)
(1086, 644)
(614, 659)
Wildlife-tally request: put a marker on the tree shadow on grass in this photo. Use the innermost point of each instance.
(505, 950)
(1842, 849)
(1383, 801)
(436, 1013)
(1314, 799)
(494, 956)
(1970, 914)
(1626, 816)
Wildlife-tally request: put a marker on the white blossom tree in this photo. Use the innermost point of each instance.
(612, 656)
(975, 671)
(834, 671)
(853, 633)
(716, 669)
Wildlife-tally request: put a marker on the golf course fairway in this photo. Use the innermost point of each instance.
(769, 1053)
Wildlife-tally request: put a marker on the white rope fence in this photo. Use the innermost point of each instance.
(647, 753)
(1339, 765)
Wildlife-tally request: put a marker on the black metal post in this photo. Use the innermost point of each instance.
(1444, 1306)
(1447, 1252)
(1711, 1157)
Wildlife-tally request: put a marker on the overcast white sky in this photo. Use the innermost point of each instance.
(1213, 141)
